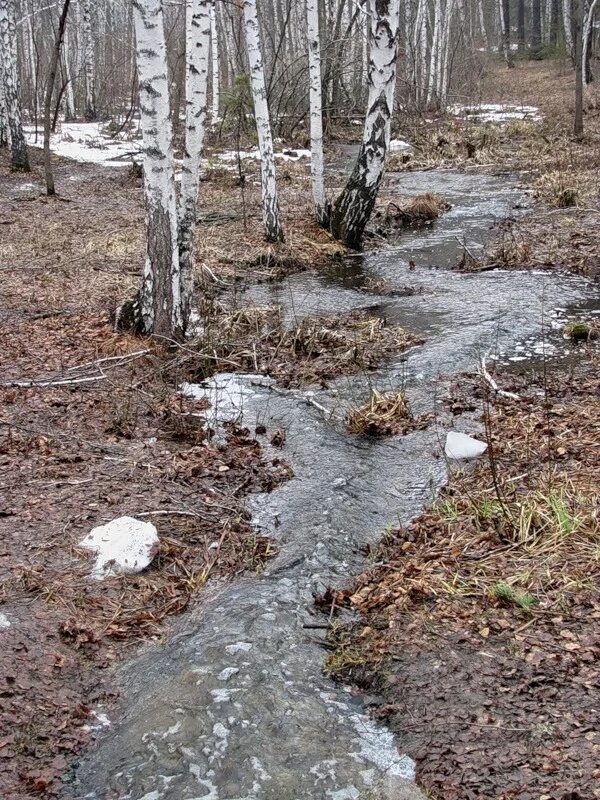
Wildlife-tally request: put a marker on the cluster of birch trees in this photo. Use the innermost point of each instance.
(306, 62)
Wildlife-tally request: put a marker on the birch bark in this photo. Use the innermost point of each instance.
(19, 154)
(214, 52)
(198, 32)
(354, 206)
(88, 61)
(587, 28)
(160, 304)
(272, 222)
(316, 110)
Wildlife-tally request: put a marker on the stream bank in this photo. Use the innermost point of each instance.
(235, 704)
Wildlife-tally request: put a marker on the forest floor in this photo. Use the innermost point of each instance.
(93, 426)
(476, 633)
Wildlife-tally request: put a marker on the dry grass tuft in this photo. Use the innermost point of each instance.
(385, 414)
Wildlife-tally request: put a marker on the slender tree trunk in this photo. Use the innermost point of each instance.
(55, 60)
(521, 25)
(159, 304)
(4, 129)
(198, 30)
(354, 206)
(484, 35)
(69, 93)
(506, 33)
(586, 37)
(568, 26)
(273, 229)
(316, 110)
(89, 62)
(554, 18)
(536, 26)
(579, 66)
(214, 52)
(19, 154)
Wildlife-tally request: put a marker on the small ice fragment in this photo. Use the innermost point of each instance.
(459, 445)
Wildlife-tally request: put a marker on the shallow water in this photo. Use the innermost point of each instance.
(235, 706)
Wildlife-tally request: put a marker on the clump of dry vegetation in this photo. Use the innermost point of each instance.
(312, 350)
(385, 414)
(413, 212)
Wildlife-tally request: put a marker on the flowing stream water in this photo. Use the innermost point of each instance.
(235, 705)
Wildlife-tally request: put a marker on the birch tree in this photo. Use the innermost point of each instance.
(272, 222)
(160, 308)
(354, 206)
(316, 110)
(10, 75)
(215, 72)
(198, 33)
(88, 61)
(50, 190)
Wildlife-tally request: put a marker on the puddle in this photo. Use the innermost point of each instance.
(235, 706)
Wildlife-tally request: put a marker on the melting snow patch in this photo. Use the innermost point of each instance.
(239, 647)
(399, 146)
(495, 112)
(227, 673)
(123, 546)
(377, 746)
(4, 622)
(84, 141)
(459, 445)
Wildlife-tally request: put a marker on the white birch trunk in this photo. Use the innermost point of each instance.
(19, 154)
(161, 310)
(4, 129)
(587, 27)
(88, 60)
(566, 9)
(434, 53)
(273, 229)
(484, 35)
(214, 52)
(69, 93)
(316, 109)
(355, 204)
(197, 43)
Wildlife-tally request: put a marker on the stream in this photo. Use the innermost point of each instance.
(235, 706)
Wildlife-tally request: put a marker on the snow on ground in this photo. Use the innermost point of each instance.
(496, 112)
(123, 546)
(85, 141)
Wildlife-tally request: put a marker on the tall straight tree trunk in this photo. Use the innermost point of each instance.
(568, 26)
(160, 308)
(69, 93)
(4, 129)
(88, 61)
(354, 206)
(50, 190)
(586, 37)
(579, 34)
(214, 54)
(484, 35)
(316, 110)
(536, 26)
(197, 44)
(506, 33)
(521, 25)
(19, 154)
(273, 229)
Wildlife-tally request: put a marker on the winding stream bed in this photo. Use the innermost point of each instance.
(235, 706)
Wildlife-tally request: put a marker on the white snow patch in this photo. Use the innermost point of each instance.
(377, 746)
(84, 141)
(349, 793)
(459, 445)
(496, 112)
(4, 622)
(123, 546)
(254, 153)
(399, 146)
